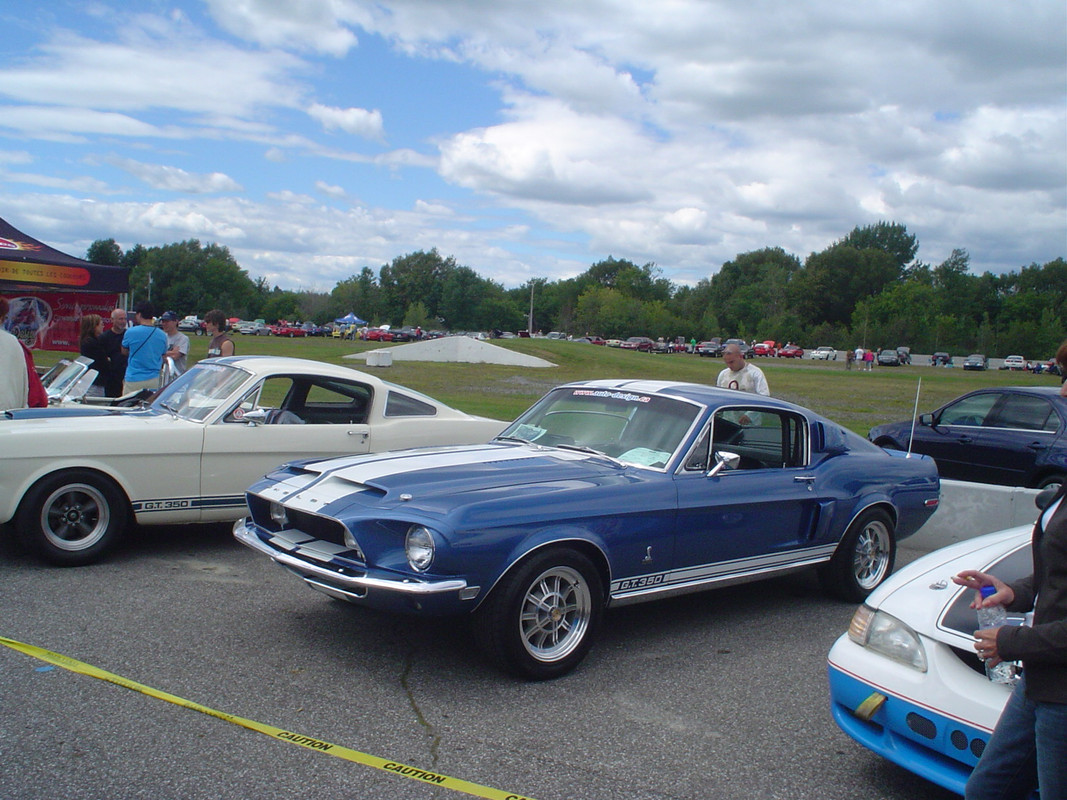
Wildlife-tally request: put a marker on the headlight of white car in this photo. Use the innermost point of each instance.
(887, 635)
(419, 548)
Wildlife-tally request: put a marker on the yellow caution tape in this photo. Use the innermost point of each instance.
(311, 743)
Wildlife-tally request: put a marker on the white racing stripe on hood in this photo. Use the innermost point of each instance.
(341, 480)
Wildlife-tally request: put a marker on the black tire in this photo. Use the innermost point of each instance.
(541, 619)
(72, 518)
(863, 559)
(1050, 481)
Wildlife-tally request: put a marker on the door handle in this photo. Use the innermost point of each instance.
(1037, 446)
(808, 479)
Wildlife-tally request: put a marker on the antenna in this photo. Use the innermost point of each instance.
(914, 416)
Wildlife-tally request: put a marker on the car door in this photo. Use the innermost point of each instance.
(953, 438)
(1016, 434)
(307, 417)
(763, 514)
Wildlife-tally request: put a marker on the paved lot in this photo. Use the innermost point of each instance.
(720, 695)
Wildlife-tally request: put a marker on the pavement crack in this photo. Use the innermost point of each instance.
(428, 730)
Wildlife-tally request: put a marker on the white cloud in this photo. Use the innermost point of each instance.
(357, 121)
(160, 176)
(336, 192)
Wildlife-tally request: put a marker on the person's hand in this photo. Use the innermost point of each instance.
(985, 643)
(973, 579)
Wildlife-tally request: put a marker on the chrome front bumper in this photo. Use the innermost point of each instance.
(343, 583)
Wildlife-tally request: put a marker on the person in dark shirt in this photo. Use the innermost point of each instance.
(112, 342)
(1028, 749)
(91, 345)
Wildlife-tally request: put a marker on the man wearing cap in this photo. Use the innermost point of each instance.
(145, 345)
(177, 342)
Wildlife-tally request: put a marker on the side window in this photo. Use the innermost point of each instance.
(270, 393)
(404, 405)
(1026, 413)
(764, 438)
(331, 402)
(970, 411)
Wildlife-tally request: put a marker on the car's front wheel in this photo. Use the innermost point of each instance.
(72, 518)
(1053, 481)
(863, 559)
(540, 621)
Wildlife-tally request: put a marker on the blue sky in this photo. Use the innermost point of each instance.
(316, 137)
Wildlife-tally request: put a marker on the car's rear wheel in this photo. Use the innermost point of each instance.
(540, 621)
(863, 559)
(72, 518)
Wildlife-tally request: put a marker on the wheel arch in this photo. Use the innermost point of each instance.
(35, 480)
(874, 505)
(572, 540)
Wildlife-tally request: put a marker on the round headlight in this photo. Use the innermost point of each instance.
(419, 548)
(278, 515)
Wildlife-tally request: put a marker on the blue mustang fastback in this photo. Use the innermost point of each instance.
(602, 493)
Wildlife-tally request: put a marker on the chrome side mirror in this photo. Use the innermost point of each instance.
(724, 460)
(257, 416)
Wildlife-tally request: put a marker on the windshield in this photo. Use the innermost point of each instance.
(637, 428)
(200, 391)
(58, 380)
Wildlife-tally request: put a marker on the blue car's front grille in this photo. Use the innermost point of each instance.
(324, 528)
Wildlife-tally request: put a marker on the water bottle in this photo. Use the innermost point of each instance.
(994, 617)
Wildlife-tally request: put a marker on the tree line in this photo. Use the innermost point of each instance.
(866, 290)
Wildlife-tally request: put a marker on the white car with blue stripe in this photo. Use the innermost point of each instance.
(74, 478)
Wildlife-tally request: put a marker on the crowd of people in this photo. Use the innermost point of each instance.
(127, 358)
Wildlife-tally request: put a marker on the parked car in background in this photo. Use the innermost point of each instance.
(824, 353)
(791, 351)
(257, 328)
(73, 480)
(904, 354)
(556, 335)
(712, 347)
(288, 330)
(905, 680)
(642, 343)
(1010, 435)
(976, 361)
(1017, 363)
(378, 335)
(766, 348)
(192, 324)
(888, 358)
(940, 359)
(591, 340)
(311, 329)
(613, 343)
(603, 493)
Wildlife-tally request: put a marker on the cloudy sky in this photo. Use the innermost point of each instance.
(532, 139)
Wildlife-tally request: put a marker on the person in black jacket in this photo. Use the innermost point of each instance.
(1028, 749)
(112, 340)
(91, 345)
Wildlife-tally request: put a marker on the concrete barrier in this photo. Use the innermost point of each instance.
(379, 358)
(971, 509)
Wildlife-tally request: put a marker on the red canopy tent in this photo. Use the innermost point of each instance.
(50, 291)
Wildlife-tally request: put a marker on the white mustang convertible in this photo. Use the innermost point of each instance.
(73, 478)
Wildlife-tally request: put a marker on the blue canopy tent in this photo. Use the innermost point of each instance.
(350, 319)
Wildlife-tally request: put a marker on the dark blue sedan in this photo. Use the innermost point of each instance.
(603, 493)
(1012, 436)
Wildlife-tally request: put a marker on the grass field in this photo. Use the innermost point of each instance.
(856, 399)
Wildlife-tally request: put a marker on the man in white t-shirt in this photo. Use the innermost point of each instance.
(741, 375)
